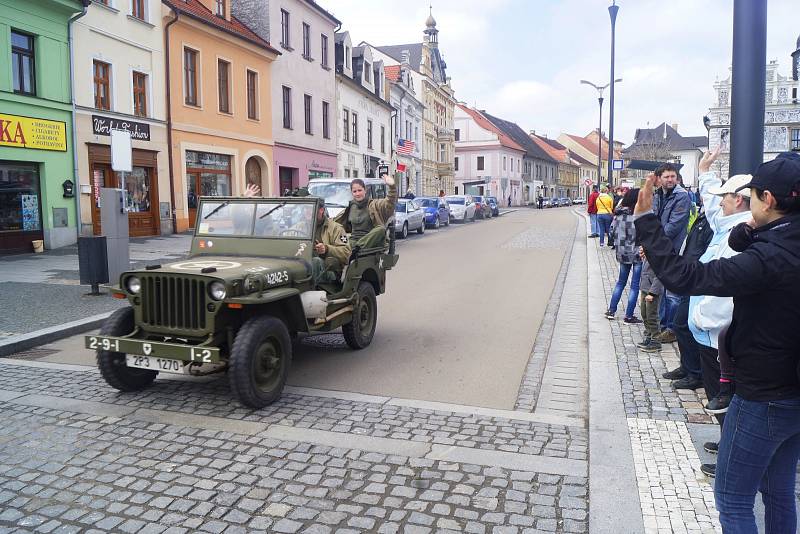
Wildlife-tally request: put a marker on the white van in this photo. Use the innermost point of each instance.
(336, 191)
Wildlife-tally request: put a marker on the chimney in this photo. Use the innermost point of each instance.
(674, 126)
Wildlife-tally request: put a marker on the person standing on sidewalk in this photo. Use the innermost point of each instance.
(760, 451)
(671, 204)
(630, 264)
(591, 208)
(651, 291)
(605, 210)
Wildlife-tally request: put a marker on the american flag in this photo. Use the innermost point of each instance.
(404, 146)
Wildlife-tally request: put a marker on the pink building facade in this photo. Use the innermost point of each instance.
(296, 166)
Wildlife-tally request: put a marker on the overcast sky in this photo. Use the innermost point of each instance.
(523, 59)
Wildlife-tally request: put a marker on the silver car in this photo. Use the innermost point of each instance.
(462, 207)
(407, 217)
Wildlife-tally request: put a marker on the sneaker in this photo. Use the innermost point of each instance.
(711, 446)
(653, 346)
(594, 235)
(719, 404)
(709, 470)
(666, 336)
(675, 374)
(687, 383)
(632, 320)
(610, 316)
(644, 343)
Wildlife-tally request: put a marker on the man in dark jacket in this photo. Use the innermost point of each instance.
(763, 339)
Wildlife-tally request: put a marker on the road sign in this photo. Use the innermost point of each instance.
(617, 164)
(587, 181)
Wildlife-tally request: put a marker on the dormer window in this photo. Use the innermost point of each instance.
(220, 8)
(347, 57)
(367, 72)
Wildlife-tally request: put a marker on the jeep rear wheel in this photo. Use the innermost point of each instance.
(112, 364)
(359, 331)
(260, 360)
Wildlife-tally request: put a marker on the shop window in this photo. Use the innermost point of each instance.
(19, 198)
(139, 94)
(137, 190)
(207, 175)
(102, 85)
(22, 63)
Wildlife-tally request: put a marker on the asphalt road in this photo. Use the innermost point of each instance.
(459, 317)
(456, 324)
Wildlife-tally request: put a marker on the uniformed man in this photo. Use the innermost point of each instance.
(331, 248)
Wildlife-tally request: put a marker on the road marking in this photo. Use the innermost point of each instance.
(509, 460)
(74, 405)
(203, 422)
(398, 447)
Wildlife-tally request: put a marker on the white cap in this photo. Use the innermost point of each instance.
(732, 185)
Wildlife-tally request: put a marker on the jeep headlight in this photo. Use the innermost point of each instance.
(133, 285)
(252, 283)
(216, 290)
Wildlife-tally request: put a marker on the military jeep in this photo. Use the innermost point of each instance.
(235, 304)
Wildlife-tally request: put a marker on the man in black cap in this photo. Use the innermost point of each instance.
(760, 443)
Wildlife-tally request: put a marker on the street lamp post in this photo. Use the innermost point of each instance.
(612, 11)
(600, 90)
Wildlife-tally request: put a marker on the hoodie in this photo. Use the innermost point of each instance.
(708, 315)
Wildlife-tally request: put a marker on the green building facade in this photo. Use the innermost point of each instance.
(37, 177)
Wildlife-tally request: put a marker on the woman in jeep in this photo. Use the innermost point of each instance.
(365, 218)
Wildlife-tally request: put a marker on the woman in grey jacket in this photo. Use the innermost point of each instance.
(630, 264)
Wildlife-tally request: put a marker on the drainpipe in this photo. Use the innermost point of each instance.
(74, 110)
(169, 120)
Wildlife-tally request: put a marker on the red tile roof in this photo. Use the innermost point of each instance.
(559, 154)
(486, 124)
(196, 10)
(392, 72)
(591, 146)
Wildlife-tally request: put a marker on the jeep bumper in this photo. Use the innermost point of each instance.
(158, 349)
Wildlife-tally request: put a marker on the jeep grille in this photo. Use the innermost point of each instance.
(173, 302)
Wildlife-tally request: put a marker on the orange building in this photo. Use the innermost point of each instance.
(220, 110)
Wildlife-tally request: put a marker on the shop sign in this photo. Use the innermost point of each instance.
(139, 131)
(29, 132)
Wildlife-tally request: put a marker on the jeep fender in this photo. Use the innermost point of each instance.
(283, 303)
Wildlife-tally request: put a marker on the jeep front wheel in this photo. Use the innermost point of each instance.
(359, 331)
(260, 360)
(112, 364)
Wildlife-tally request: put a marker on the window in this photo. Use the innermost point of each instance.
(102, 83)
(20, 197)
(223, 85)
(220, 4)
(307, 110)
(480, 163)
(139, 94)
(416, 134)
(285, 28)
(456, 164)
(324, 48)
(306, 41)
(355, 129)
(458, 134)
(383, 139)
(369, 133)
(326, 130)
(347, 57)
(795, 144)
(252, 95)
(190, 76)
(347, 173)
(22, 63)
(287, 108)
(138, 9)
(346, 128)
(442, 153)
(504, 163)
(367, 71)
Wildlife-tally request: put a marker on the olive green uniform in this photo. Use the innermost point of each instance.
(327, 267)
(367, 223)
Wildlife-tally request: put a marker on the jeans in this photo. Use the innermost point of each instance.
(666, 312)
(604, 222)
(759, 450)
(687, 344)
(624, 271)
(595, 226)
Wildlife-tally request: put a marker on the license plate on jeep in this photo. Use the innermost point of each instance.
(164, 365)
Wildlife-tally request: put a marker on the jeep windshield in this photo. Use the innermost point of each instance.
(257, 219)
(335, 193)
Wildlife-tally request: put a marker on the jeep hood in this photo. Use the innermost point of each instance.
(227, 267)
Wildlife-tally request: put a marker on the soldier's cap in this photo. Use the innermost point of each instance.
(781, 176)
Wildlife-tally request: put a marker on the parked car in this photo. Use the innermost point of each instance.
(407, 217)
(462, 207)
(564, 202)
(579, 201)
(482, 209)
(336, 191)
(437, 211)
(492, 201)
(547, 202)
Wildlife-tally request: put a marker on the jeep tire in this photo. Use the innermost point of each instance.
(359, 331)
(260, 361)
(112, 364)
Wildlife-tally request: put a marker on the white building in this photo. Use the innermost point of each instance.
(664, 143)
(363, 137)
(303, 85)
(781, 113)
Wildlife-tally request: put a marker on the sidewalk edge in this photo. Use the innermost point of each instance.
(36, 338)
(613, 489)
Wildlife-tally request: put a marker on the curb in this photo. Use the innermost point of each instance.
(36, 338)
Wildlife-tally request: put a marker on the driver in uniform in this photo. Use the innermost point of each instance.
(331, 248)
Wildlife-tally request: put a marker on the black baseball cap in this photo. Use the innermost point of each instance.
(781, 176)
